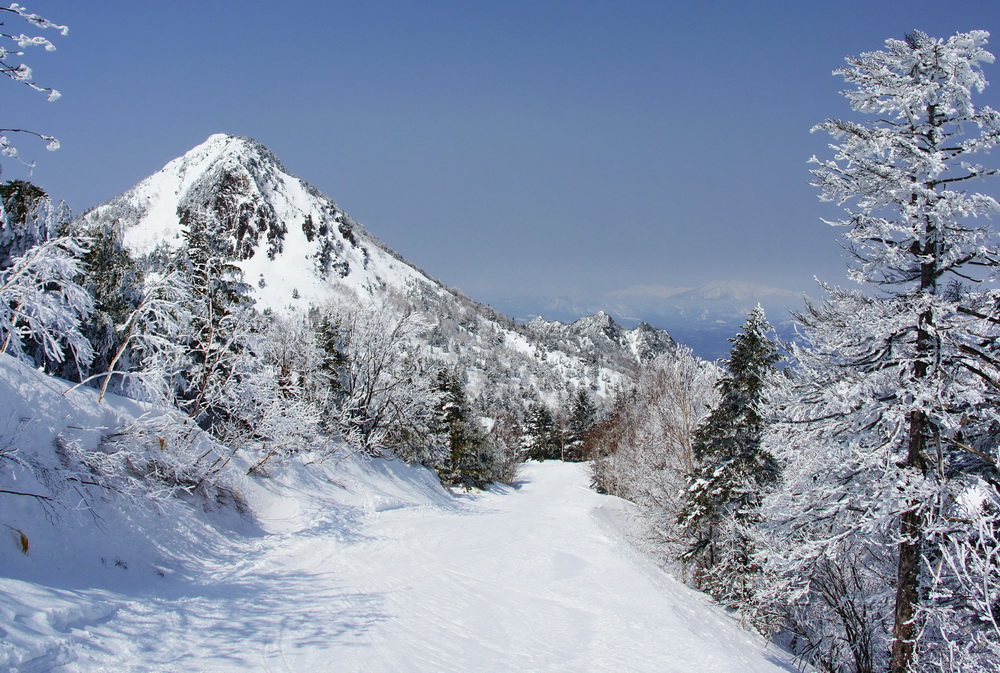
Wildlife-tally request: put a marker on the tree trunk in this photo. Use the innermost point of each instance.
(904, 630)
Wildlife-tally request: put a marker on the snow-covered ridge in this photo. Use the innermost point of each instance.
(298, 249)
(295, 245)
(599, 333)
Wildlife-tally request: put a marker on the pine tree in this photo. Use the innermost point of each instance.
(466, 461)
(724, 490)
(26, 220)
(114, 280)
(540, 440)
(332, 369)
(582, 418)
(890, 443)
(221, 319)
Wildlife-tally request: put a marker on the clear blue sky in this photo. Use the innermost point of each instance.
(516, 147)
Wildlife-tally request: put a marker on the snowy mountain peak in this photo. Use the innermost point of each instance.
(600, 334)
(297, 249)
(294, 245)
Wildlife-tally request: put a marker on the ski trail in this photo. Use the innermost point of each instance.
(534, 579)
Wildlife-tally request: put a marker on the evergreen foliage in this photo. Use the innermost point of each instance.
(467, 459)
(221, 320)
(26, 219)
(114, 280)
(889, 504)
(582, 418)
(733, 469)
(541, 437)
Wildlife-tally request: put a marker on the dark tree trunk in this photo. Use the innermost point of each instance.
(904, 632)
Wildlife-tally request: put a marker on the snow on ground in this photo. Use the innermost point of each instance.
(346, 564)
(372, 567)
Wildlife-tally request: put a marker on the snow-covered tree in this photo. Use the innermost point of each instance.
(113, 279)
(12, 48)
(222, 320)
(146, 350)
(582, 418)
(468, 458)
(890, 442)
(732, 469)
(27, 219)
(541, 439)
(41, 305)
(387, 398)
(642, 448)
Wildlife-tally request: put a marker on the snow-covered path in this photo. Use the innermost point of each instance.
(533, 579)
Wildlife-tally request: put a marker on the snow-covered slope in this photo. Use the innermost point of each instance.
(343, 565)
(298, 249)
(281, 229)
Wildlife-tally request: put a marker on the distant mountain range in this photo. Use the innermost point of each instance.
(702, 317)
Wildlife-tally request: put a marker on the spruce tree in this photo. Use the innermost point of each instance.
(540, 439)
(114, 280)
(724, 489)
(221, 312)
(26, 219)
(466, 461)
(582, 418)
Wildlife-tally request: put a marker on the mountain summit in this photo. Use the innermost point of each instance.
(298, 249)
(297, 246)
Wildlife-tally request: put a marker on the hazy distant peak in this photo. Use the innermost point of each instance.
(651, 291)
(737, 290)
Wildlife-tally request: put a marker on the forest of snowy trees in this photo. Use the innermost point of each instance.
(847, 504)
(840, 494)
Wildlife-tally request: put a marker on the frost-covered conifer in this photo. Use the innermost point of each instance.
(114, 281)
(467, 461)
(582, 417)
(26, 219)
(880, 536)
(732, 469)
(222, 321)
(540, 441)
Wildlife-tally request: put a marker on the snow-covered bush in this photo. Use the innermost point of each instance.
(642, 449)
(41, 305)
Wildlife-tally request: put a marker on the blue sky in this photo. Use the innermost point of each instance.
(509, 148)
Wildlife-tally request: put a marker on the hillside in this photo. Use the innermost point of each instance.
(338, 565)
(298, 249)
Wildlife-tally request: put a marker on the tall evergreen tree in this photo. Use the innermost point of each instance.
(221, 318)
(582, 418)
(891, 444)
(26, 220)
(467, 459)
(114, 280)
(732, 469)
(540, 433)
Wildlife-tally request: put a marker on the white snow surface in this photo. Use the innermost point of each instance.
(345, 565)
